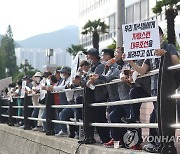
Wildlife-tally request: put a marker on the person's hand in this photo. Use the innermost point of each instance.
(123, 58)
(110, 62)
(49, 88)
(43, 88)
(107, 116)
(93, 78)
(159, 52)
(124, 77)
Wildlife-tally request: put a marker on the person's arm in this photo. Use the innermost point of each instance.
(175, 59)
(110, 76)
(173, 52)
(140, 69)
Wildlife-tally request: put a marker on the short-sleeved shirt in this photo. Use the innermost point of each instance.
(155, 62)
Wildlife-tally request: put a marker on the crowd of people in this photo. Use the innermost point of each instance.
(95, 70)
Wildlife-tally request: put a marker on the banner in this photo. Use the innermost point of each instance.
(5, 82)
(141, 39)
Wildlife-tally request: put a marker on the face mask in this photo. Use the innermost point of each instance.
(62, 76)
(48, 82)
(37, 79)
(89, 61)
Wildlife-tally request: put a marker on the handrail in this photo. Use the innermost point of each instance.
(68, 122)
(123, 125)
(68, 106)
(132, 101)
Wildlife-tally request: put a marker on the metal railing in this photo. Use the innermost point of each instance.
(166, 102)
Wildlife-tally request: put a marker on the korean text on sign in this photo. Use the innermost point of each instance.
(141, 39)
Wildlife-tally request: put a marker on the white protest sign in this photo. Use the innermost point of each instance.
(23, 89)
(79, 57)
(141, 39)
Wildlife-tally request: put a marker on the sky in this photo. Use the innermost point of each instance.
(31, 17)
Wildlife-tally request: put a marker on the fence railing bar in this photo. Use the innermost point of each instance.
(4, 115)
(5, 98)
(68, 106)
(174, 67)
(18, 117)
(17, 106)
(176, 96)
(123, 125)
(5, 107)
(68, 122)
(36, 119)
(38, 106)
(150, 73)
(132, 101)
(68, 90)
(176, 126)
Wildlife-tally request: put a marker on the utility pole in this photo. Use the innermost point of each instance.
(120, 21)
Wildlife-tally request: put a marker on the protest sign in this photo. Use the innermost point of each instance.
(23, 89)
(141, 39)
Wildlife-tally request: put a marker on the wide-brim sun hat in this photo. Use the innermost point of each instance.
(38, 74)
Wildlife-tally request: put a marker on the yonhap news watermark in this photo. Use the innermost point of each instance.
(131, 138)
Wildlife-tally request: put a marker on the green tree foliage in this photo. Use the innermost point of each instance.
(25, 67)
(74, 49)
(94, 28)
(7, 52)
(171, 8)
(2, 70)
(113, 45)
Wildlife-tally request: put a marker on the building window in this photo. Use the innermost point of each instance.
(112, 23)
(144, 9)
(129, 14)
(137, 12)
(152, 3)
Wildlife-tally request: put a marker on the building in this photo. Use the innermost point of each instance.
(135, 10)
(37, 57)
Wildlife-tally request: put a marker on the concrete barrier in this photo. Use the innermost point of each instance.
(14, 140)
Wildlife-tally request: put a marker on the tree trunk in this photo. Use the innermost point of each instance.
(170, 16)
(95, 40)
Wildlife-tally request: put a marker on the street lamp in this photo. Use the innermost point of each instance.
(49, 53)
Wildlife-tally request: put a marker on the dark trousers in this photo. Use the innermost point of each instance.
(153, 117)
(115, 117)
(137, 92)
(98, 115)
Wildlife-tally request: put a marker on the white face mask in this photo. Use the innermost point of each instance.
(34, 83)
(48, 82)
(37, 79)
(89, 61)
(62, 76)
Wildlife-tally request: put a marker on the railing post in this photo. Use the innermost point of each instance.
(1, 103)
(166, 106)
(50, 114)
(27, 112)
(89, 98)
(12, 112)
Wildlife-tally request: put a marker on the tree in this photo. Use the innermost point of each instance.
(113, 45)
(94, 28)
(171, 11)
(2, 68)
(7, 51)
(25, 67)
(74, 49)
